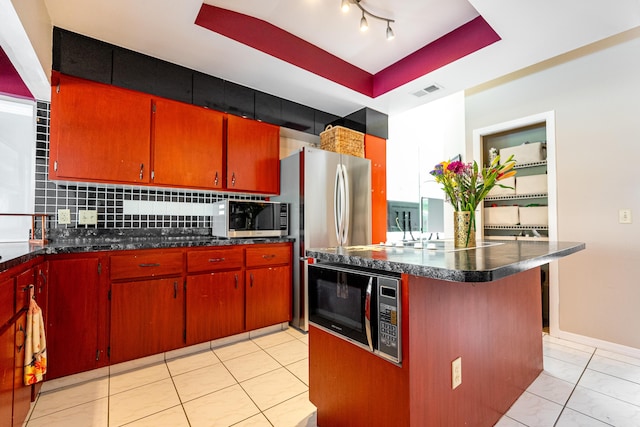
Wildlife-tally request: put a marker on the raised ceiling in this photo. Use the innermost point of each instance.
(527, 32)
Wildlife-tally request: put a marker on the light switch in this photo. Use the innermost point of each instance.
(87, 217)
(64, 216)
(624, 216)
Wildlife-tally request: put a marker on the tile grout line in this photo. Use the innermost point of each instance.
(574, 388)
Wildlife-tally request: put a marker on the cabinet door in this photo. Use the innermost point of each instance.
(75, 319)
(215, 306)
(268, 296)
(375, 149)
(253, 156)
(21, 393)
(7, 346)
(187, 145)
(99, 132)
(147, 317)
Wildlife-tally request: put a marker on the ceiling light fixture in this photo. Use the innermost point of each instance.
(363, 21)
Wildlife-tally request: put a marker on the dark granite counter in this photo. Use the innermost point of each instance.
(440, 260)
(13, 254)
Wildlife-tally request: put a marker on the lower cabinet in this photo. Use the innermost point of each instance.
(268, 296)
(7, 352)
(215, 305)
(147, 317)
(77, 315)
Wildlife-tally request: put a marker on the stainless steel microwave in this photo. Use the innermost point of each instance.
(250, 218)
(359, 306)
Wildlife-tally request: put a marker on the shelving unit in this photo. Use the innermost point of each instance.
(536, 128)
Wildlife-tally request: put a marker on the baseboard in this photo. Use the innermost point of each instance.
(601, 344)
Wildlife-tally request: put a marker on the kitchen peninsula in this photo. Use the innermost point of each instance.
(480, 305)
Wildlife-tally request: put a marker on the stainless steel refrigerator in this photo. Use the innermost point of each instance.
(329, 196)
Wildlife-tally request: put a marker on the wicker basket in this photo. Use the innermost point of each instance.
(342, 140)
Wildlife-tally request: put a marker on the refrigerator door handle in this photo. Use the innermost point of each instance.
(337, 208)
(346, 207)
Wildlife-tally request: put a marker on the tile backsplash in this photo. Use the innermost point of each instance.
(118, 206)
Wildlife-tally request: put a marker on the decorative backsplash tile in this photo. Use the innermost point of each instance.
(118, 206)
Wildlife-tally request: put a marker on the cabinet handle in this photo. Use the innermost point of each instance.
(216, 259)
(44, 280)
(268, 256)
(233, 179)
(215, 181)
(175, 289)
(24, 337)
(141, 170)
(251, 281)
(152, 264)
(236, 277)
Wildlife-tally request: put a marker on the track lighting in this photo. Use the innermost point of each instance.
(364, 25)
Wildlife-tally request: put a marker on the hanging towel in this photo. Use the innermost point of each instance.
(35, 355)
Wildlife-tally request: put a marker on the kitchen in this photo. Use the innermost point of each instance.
(597, 306)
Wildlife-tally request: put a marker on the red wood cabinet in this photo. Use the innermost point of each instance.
(99, 132)
(268, 296)
(147, 317)
(21, 393)
(375, 149)
(253, 156)
(7, 346)
(77, 315)
(187, 145)
(215, 305)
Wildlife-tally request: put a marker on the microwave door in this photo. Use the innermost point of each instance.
(367, 313)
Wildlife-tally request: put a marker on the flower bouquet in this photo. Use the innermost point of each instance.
(465, 185)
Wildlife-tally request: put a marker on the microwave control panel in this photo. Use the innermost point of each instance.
(389, 339)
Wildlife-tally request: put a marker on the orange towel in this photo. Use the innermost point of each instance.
(35, 355)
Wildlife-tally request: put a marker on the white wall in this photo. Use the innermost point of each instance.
(418, 140)
(595, 93)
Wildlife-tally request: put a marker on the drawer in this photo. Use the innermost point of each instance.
(146, 264)
(268, 255)
(215, 259)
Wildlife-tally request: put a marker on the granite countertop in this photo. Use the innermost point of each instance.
(13, 254)
(440, 260)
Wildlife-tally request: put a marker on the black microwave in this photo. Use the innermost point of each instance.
(250, 218)
(359, 306)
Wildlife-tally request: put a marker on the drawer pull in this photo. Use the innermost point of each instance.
(215, 181)
(151, 264)
(175, 290)
(251, 280)
(268, 256)
(216, 259)
(236, 277)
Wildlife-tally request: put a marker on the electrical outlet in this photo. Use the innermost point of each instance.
(456, 373)
(64, 216)
(87, 217)
(624, 216)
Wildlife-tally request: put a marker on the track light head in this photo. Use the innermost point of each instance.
(364, 25)
(390, 34)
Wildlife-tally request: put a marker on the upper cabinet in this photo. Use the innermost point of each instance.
(102, 133)
(253, 156)
(375, 149)
(187, 145)
(99, 132)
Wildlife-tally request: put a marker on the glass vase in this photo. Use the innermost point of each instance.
(464, 230)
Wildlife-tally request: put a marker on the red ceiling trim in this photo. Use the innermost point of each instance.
(265, 37)
(10, 81)
(464, 40)
(281, 44)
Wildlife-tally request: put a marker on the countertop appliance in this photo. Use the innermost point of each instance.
(249, 218)
(329, 195)
(360, 306)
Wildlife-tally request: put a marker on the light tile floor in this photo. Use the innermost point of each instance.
(263, 381)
